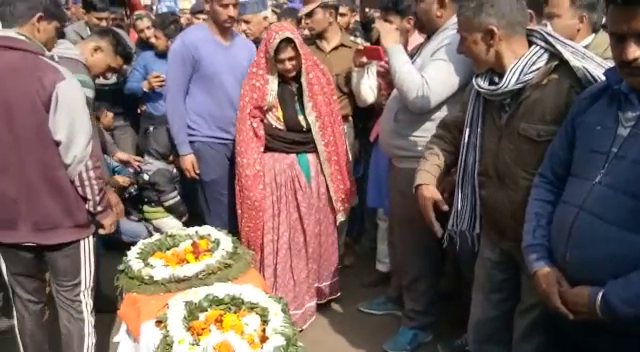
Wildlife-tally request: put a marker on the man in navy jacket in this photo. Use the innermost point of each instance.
(582, 229)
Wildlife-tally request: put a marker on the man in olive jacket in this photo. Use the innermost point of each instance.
(525, 82)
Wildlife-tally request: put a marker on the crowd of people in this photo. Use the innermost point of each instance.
(499, 135)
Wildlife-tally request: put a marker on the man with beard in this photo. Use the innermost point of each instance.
(582, 232)
(254, 19)
(143, 26)
(207, 65)
(146, 79)
(97, 14)
(579, 21)
(347, 18)
(525, 81)
(427, 88)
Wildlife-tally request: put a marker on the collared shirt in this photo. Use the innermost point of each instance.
(339, 61)
(586, 41)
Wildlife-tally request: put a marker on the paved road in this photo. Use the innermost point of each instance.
(338, 328)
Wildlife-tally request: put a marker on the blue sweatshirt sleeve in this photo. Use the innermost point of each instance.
(546, 191)
(137, 75)
(179, 72)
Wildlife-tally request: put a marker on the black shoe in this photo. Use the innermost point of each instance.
(6, 324)
(459, 345)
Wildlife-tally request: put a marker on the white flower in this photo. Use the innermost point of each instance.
(156, 268)
(185, 343)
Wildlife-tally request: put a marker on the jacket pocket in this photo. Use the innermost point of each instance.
(532, 144)
(539, 133)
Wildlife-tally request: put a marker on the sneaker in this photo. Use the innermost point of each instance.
(459, 345)
(407, 340)
(380, 306)
(6, 324)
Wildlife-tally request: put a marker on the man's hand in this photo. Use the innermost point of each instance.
(359, 59)
(550, 282)
(154, 81)
(189, 165)
(447, 187)
(429, 198)
(129, 160)
(389, 34)
(109, 224)
(577, 301)
(120, 181)
(115, 203)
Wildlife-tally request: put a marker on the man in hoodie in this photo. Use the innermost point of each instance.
(97, 14)
(579, 21)
(582, 232)
(428, 86)
(52, 195)
(103, 52)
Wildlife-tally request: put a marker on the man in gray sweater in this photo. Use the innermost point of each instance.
(427, 87)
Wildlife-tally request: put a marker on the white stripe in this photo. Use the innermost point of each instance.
(94, 185)
(87, 266)
(3, 267)
(85, 187)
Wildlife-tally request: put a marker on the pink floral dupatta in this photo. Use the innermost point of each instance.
(259, 96)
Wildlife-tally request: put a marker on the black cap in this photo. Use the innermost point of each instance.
(197, 8)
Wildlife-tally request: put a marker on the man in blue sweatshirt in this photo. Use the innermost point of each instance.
(207, 64)
(582, 230)
(146, 79)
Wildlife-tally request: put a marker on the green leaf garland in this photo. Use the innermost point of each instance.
(231, 304)
(233, 266)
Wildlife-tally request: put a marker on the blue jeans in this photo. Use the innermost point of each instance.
(117, 169)
(127, 231)
(132, 231)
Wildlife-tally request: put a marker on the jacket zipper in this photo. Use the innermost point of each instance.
(597, 180)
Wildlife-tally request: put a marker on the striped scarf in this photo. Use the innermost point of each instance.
(465, 215)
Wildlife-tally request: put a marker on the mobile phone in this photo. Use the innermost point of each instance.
(374, 53)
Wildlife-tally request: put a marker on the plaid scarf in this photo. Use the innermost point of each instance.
(465, 214)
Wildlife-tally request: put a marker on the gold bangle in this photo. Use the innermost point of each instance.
(598, 302)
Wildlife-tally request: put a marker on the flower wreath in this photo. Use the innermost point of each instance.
(182, 259)
(227, 317)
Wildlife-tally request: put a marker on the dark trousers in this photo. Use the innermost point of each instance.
(6, 309)
(216, 187)
(594, 337)
(71, 270)
(507, 315)
(126, 138)
(415, 253)
(147, 121)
